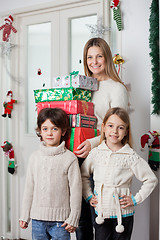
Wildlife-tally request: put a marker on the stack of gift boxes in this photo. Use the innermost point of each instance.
(72, 93)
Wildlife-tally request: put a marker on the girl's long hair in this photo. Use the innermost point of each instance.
(123, 115)
(109, 67)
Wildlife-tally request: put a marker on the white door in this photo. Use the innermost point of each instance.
(35, 39)
(46, 40)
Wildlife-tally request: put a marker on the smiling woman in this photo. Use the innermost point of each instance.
(98, 63)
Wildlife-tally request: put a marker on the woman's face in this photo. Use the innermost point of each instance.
(96, 61)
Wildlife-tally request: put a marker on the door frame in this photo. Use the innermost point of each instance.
(17, 87)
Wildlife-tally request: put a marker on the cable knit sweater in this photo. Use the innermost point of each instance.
(110, 94)
(53, 189)
(112, 174)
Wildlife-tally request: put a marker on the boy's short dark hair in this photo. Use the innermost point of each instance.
(58, 117)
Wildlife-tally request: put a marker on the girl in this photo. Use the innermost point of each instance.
(52, 195)
(113, 164)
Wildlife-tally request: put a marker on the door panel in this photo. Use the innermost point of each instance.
(66, 22)
(29, 64)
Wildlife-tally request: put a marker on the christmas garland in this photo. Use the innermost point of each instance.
(154, 54)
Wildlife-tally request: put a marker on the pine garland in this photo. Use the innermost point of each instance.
(154, 46)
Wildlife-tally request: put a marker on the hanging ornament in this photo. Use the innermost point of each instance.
(98, 30)
(8, 104)
(39, 72)
(8, 149)
(6, 48)
(7, 27)
(118, 60)
(115, 5)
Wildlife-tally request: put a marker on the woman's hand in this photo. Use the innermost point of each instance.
(93, 201)
(68, 227)
(126, 201)
(85, 148)
(23, 224)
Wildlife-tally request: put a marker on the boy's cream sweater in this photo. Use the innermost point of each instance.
(53, 189)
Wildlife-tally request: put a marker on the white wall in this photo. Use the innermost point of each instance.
(16, 4)
(137, 72)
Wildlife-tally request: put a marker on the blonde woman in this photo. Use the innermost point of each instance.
(98, 63)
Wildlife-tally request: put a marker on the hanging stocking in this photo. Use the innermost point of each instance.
(8, 149)
(117, 14)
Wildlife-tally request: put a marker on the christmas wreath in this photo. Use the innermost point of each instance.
(154, 54)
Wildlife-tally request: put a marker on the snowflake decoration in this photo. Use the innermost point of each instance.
(98, 30)
(6, 48)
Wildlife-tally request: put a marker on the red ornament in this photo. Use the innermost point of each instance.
(39, 71)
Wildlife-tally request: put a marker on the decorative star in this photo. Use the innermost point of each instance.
(97, 30)
(6, 48)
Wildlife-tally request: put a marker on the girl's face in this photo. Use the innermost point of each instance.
(96, 61)
(115, 130)
(51, 134)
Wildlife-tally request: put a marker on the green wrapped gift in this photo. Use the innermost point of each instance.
(62, 94)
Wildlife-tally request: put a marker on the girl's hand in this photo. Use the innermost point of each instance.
(93, 201)
(68, 227)
(85, 148)
(126, 201)
(23, 224)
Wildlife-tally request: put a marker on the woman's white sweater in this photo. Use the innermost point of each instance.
(53, 189)
(110, 94)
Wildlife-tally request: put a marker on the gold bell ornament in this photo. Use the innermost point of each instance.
(118, 60)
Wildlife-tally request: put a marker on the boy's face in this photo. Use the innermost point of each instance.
(51, 134)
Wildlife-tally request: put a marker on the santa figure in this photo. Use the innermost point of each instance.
(152, 139)
(7, 28)
(8, 105)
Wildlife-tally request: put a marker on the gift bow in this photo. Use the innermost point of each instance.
(74, 73)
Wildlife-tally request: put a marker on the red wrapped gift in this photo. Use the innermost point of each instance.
(70, 107)
(78, 135)
(81, 120)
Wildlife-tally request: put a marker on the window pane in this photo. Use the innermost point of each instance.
(39, 56)
(79, 36)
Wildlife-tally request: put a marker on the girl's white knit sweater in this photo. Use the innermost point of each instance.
(112, 174)
(53, 189)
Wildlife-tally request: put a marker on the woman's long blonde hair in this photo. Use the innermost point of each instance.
(109, 68)
(123, 115)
